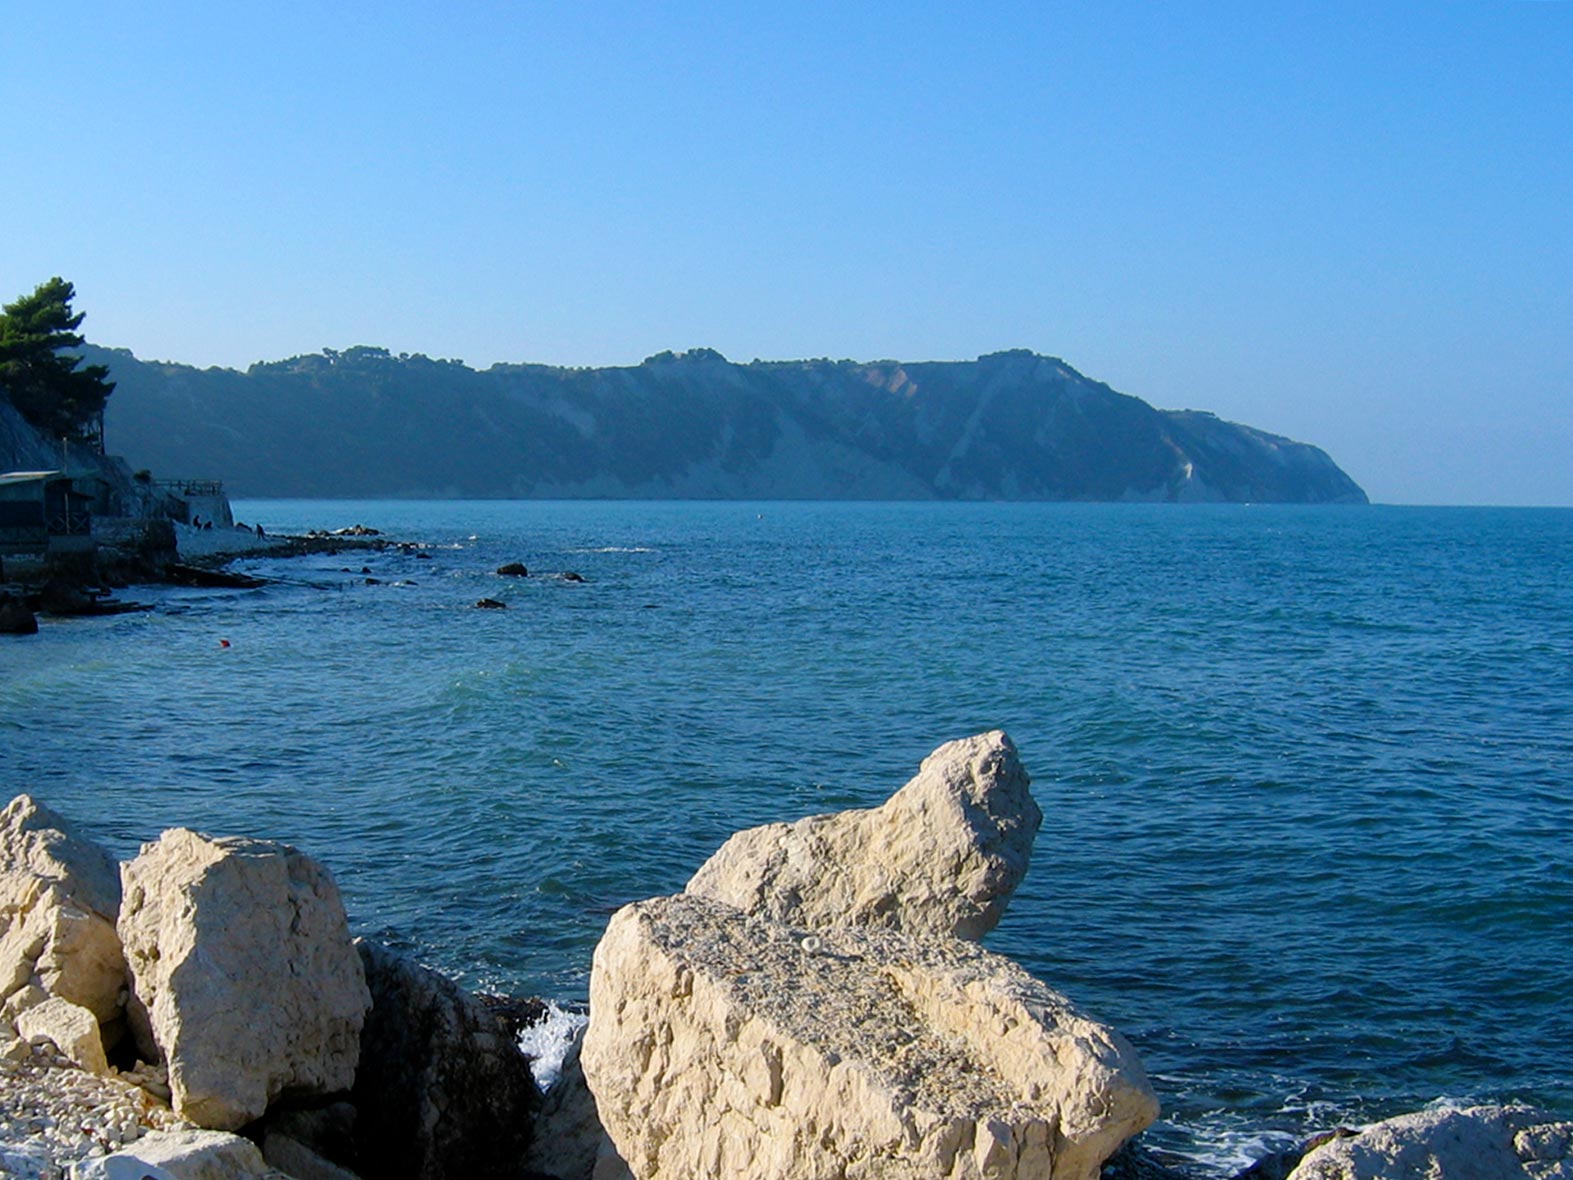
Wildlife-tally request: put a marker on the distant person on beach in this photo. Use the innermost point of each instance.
(196, 522)
(259, 530)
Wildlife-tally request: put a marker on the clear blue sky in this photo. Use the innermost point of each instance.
(1347, 223)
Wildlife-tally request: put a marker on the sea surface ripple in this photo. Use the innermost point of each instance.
(1307, 773)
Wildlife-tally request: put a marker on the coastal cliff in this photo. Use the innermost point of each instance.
(1008, 426)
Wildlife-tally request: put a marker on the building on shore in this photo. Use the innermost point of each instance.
(45, 512)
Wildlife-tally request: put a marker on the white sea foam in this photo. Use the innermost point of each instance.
(1227, 1153)
(547, 1043)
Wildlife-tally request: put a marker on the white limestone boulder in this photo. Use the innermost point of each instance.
(49, 941)
(59, 894)
(70, 1027)
(942, 856)
(722, 1044)
(181, 1155)
(1477, 1143)
(240, 953)
(42, 842)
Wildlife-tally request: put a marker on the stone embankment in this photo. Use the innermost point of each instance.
(813, 1006)
(215, 546)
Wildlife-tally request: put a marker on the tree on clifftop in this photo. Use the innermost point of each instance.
(41, 379)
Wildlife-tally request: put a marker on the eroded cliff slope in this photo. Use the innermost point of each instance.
(1012, 425)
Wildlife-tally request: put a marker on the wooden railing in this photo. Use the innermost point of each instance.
(69, 524)
(191, 487)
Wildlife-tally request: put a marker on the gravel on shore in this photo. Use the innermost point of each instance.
(54, 1114)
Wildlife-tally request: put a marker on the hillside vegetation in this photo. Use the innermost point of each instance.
(1012, 425)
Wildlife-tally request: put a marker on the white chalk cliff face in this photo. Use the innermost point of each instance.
(810, 1006)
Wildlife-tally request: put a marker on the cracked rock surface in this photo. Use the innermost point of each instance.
(240, 956)
(1475, 1143)
(941, 857)
(725, 1044)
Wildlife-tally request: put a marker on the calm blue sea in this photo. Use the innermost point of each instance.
(1307, 773)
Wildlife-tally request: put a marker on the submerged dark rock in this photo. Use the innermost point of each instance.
(1134, 1162)
(192, 575)
(16, 618)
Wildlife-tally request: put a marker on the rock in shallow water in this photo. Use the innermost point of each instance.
(16, 617)
(942, 856)
(1478, 1143)
(722, 1045)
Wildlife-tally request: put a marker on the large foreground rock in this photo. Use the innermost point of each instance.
(941, 857)
(725, 1045)
(443, 1092)
(1480, 1143)
(59, 894)
(240, 953)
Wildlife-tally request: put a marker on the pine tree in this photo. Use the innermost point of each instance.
(37, 373)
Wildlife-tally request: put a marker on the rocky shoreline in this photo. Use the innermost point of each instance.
(156, 552)
(813, 1004)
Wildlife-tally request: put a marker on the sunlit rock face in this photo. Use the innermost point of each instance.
(727, 1045)
(941, 857)
(59, 896)
(241, 959)
(813, 1005)
(1477, 1143)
